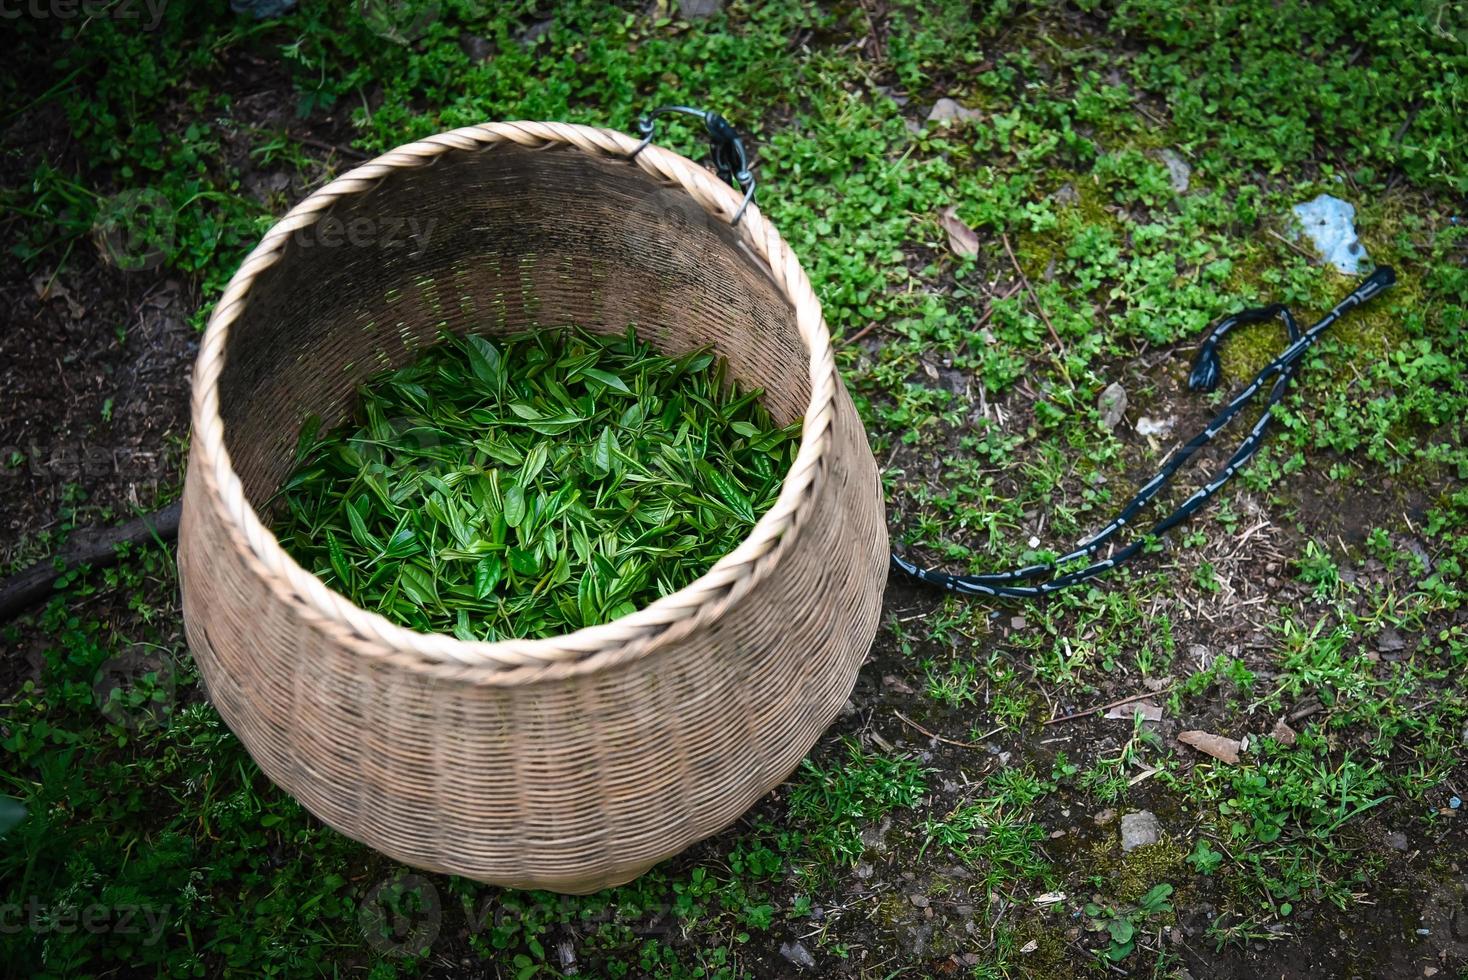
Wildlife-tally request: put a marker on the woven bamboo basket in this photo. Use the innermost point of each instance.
(576, 762)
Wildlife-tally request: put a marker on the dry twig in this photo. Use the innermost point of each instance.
(96, 547)
(946, 741)
(1025, 280)
(1108, 707)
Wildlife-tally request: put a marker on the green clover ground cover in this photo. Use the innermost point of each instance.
(558, 480)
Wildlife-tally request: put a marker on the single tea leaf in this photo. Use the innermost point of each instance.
(603, 451)
(484, 360)
(514, 505)
(487, 575)
(607, 378)
(728, 492)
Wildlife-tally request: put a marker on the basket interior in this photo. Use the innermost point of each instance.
(493, 241)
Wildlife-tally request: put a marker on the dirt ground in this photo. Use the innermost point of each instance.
(68, 362)
(94, 430)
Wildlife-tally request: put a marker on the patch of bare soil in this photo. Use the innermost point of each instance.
(895, 911)
(94, 409)
(95, 394)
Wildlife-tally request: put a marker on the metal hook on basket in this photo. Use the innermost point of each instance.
(727, 149)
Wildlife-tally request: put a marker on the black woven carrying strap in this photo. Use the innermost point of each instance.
(726, 149)
(1204, 376)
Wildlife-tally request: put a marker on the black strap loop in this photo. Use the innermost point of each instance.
(727, 149)
(1204, 376)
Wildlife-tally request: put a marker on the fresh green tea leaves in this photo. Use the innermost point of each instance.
(532, 485)
(728, 492)
(358, 524)
(523, 561)
(418, 585)
(535, 461)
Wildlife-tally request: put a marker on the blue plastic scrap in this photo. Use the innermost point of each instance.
(1330, 225)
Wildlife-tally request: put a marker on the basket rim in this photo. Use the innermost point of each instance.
(727, 582)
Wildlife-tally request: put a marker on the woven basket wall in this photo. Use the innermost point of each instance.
(576, 762)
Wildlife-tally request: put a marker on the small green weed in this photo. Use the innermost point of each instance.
(1122, 925)
(834, 805)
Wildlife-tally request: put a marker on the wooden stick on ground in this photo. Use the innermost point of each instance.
(989, 309)
(1031, 290)
(844, 341)
(345, 151)
(96, 547)
(1107, 707)
(1293, 247)
(946, 741)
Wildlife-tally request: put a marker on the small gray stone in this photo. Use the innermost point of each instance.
(1178, 170)
(916, 938)
(1112, 405)
(533, 32)
(1139, 829)
(1419, 551)
(476, 48)
(1396, 840)
(956, 382)
(264, 185)
(945, 109)
(891, 92)
(875, 838)
(799, 955)
(700, 10)
(895, 683)
(261, 9)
